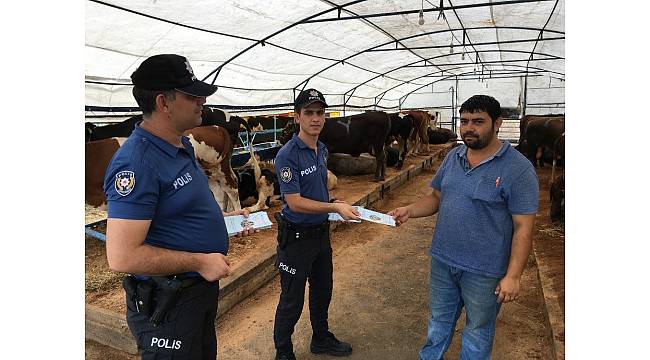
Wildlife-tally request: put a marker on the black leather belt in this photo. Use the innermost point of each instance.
(186, 281)
(305, 232)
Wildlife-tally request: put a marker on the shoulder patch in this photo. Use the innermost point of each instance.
(285, 174)
(124, 182)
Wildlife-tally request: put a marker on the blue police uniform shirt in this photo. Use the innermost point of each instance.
(474, 227)
(301, 170)
(150, 179)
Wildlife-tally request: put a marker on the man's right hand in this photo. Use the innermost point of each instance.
(401, 215)
(347, 211)
(214, 266)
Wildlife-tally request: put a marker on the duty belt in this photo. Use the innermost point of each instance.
(302, 231)
(185, 281)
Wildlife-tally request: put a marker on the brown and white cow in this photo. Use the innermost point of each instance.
(98, 154)
(419, 137)
(264, 185)
(213, 149)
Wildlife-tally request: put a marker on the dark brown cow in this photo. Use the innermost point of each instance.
(539, 133)
(258, 123)
(218, 117)
(98, 154)
(419, 137)
(401, 126)
(557, 199)
(213, 149)
(558, 154)
(357, 134)
(353, 135)
(440, 135)
(120, 129)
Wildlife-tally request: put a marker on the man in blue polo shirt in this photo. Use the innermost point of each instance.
(486, 195)
(164, 225)
(304, 249)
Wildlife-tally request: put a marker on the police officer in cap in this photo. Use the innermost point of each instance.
(164, 224)
(304, 249)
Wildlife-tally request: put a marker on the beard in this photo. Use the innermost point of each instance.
(475, 141)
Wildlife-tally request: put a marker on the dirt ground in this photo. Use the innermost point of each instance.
(380, 294)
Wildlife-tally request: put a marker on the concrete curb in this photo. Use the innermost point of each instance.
(553, 314)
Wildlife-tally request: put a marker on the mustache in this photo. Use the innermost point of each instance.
(470, 134)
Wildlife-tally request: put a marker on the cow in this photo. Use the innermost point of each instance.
(276, 122)
(213, 148)
(392, 156)
(556, 194)
(98, 154)
(218, 117)
(258, 180)
(419, 137)
(89, 127)
(209, 117)
(353, 135)
(558, 154)
(270, 122)
(440, 135)
(401, 126)
(539, 133)
(435, 119)
(348, 165)
(120, 129)
(360, 133)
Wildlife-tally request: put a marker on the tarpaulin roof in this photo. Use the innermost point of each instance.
(381, 54)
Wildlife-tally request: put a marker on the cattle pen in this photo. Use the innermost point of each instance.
(393, 76)
(253, 263)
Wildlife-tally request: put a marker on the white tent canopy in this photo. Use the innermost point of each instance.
(360, 54)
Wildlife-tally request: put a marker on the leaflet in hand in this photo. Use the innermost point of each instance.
(365, 214)
(375, 217)
(236, 223)
(337, 217)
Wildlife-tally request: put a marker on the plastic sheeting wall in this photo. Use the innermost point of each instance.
(380, 61)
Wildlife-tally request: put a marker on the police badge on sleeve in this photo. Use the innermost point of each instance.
(285, 174)
(124, 182)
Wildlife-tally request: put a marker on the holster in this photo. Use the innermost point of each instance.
(282, 230)
(167, 293)
(289, 233)
(140, 293)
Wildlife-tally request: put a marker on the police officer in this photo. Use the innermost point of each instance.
(172, 237)
(304, 249)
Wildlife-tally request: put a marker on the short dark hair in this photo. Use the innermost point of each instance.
(482, 103)
(146, 99)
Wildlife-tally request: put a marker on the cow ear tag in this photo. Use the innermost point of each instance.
(124, 182)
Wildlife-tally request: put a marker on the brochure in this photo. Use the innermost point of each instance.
(257, 220)
(368, 215)
(337, 217)
(376, 217)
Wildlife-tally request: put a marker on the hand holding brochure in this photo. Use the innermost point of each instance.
(236, 223)
(376, 217)
(365, 214)
(337, 217)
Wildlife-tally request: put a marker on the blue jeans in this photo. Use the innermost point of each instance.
(450, 289)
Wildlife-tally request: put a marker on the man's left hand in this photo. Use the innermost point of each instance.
(508, 289)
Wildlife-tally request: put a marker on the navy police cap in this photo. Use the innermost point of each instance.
(167, 72)
(308, 97)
